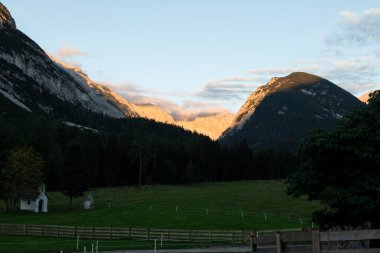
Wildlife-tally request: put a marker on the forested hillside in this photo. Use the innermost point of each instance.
(115, 154)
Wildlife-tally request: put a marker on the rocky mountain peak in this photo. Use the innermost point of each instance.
(303, 78)
(280, 113)
(292, 80)
(276, 84)
(6, 19)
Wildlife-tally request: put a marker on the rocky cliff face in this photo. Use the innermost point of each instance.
(212, 126)
(281, 112)
(153, 112)
(30, 77)
(6, 19)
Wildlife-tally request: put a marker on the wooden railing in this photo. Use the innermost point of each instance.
(321, 242)
(119, 233)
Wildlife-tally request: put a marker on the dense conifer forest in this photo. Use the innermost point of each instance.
(130, 151)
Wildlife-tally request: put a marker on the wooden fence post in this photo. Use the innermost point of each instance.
(278, 243)
(148, 233)
(93, 232)
(130, 233)
(111, 232)
(316, 242)
(169, 234)
(25, 229)
(233, 237)
(75, 231)
(210, 235)
(42, 230)
(58, 231)
(253, 243)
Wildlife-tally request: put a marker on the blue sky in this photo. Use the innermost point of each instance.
(207, 54)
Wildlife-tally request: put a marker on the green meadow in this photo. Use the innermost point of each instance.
(246, 205)
(17, 244)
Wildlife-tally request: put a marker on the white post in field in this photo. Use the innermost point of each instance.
(162, 238)
(155, 245)
(97, 246)
(92, 248)
(84, 249)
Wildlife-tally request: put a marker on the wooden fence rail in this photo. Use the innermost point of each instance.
(119, 233)
(320, 242)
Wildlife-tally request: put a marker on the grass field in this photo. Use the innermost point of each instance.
(232, 205)
(16, 244)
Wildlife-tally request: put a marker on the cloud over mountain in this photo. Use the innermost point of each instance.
(358, 28)
(187, 110)
(68, 54)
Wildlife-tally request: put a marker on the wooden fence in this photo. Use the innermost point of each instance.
(321, 242)
(118, 233)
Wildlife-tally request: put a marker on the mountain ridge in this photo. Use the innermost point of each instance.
(281, 112)
(6, 19)
(32, 71)
(37, 81)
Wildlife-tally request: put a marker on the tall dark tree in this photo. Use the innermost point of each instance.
(73, 180)
(188, 174)
(342, 169)
(54, 166)
(140, 154)
(22, 173)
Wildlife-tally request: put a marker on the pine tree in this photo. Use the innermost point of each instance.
(73, 180)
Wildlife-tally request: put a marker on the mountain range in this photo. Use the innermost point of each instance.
(277, 114)
(38, 82)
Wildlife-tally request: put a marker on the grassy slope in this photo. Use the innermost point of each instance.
(130, 206)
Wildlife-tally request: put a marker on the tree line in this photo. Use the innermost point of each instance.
(130, 152)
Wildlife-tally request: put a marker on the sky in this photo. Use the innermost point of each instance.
(201, 56)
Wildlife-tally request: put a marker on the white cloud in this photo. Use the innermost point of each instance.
(222, 91)
(198, 104)
(349, 16)
(233, 79)
(357, 29)
(124, 88)
(188, 110)
(68, 55)
(68, 52)
(230, 89)
(272, 71)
